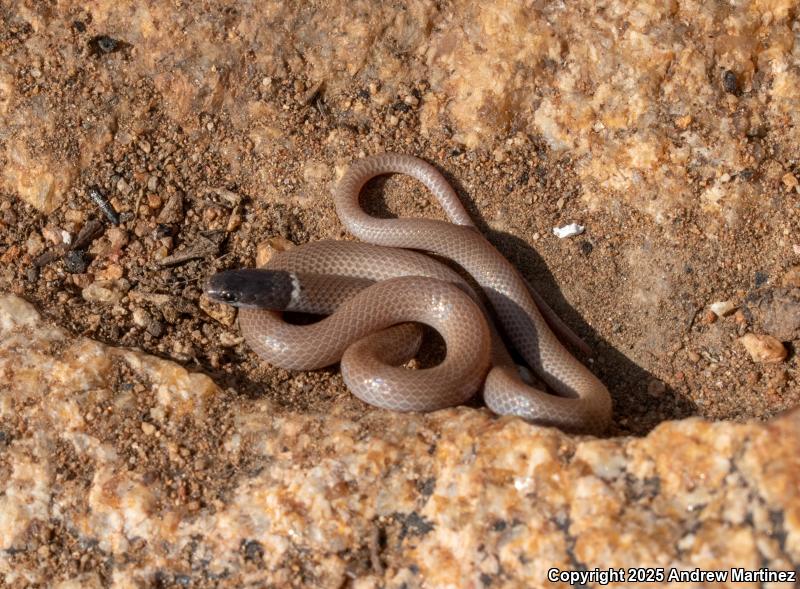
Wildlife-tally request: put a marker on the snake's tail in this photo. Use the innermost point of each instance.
(561, 329)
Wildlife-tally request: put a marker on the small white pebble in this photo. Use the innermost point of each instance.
(141, 317)
(568, 230)
(722, 308)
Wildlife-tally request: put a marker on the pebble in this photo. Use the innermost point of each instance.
(568, 230)
(763, 348)
(155, 328)
(76, 261)
(268, 248)
(722, 308)
(148, 428)
(34, 245)
(160, 253)
(235, 220)
(154, 201)
(693, 356)
(708, 317)
(110, 272)
(82, 280)
(411, 100)
(790, 181)
(98, 292)
(211, 214)
(141, 317)
(152, 183)
(229, 340)
(117, 237)
(53, 234)
(173, 210)
(730, 82)
(123, 187)
(224, 314)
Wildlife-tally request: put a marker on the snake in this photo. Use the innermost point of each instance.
(376, 293)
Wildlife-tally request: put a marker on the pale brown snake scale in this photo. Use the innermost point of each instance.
(369, 287)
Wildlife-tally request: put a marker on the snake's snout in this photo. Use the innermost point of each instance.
(253, 288)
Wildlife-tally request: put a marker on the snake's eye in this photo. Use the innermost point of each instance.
(228, 296)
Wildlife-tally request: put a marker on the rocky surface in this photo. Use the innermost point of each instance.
(120, 469)
(213, 132)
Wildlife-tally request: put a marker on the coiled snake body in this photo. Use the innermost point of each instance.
(374, 291)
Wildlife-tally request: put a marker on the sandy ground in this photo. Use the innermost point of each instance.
(636, 286)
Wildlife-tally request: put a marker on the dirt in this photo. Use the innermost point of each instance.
(636, 290)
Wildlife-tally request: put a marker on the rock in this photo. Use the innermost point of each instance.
(154, 201)
(268, 248)
(117, 238)
(38, 179)
(34, 244)
(172, 211)
(722, 308)
(106, 292)
(763, 348)
(790, 181)
(54, 235)
(234, 220)
(111, 272)
(76, 261)
(141, 317)
(741, 318)
(778, 313)
(568, 230)
(708, 317)
(122, 186)
(448, 495)
(225, 314)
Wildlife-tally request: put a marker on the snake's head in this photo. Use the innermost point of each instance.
(253, 288)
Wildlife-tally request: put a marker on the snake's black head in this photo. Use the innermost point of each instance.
(253, 288)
